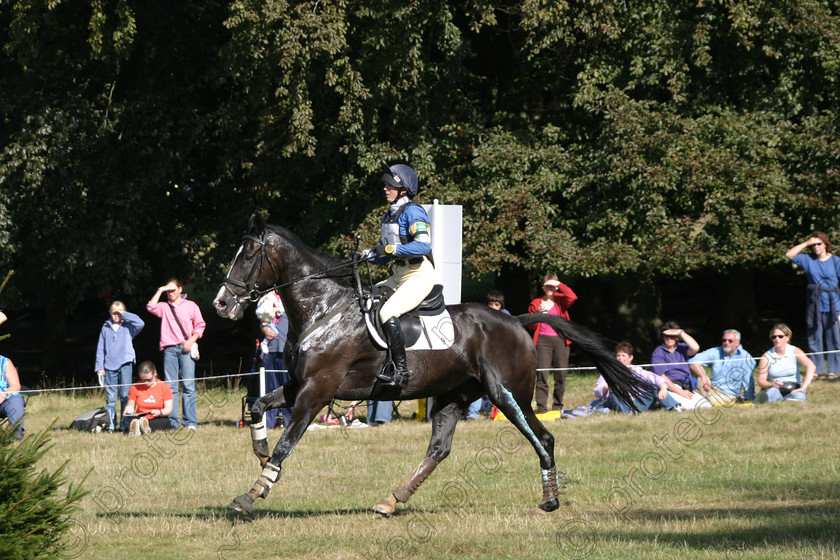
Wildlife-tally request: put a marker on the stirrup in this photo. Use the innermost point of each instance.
(388, 374)
(401, 379)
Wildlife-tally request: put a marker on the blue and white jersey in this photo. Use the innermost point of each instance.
(405, 227)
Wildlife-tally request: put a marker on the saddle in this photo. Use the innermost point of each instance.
(410, 322)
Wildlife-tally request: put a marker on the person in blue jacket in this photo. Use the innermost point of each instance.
(406, 243)
(115, 358)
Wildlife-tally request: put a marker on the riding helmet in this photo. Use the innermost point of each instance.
(401, 176)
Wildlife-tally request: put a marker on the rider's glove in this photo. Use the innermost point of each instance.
(362, 255)
(384, 250)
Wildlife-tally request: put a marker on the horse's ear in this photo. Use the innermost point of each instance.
(256, 224)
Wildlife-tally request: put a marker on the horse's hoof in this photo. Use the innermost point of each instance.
(549, 505)
(386, 507)
(242, 504)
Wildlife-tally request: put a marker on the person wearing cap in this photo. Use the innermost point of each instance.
(552, 349)
(671, 357)
(406, 243)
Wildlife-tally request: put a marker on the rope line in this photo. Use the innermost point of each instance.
(576, 368)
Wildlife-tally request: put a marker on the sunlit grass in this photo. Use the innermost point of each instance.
(742, 482)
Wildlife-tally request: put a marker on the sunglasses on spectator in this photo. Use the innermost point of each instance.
(775, 336)
(728, 340)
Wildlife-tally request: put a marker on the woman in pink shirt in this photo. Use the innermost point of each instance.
(552, 349)
(176, 341)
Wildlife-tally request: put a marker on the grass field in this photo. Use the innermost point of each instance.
(734, 483)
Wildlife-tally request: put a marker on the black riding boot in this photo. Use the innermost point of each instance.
(396, 343)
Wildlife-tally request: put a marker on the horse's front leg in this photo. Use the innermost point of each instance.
(309, 402)
(259, 433)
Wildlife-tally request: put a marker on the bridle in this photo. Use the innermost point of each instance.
(255, 292)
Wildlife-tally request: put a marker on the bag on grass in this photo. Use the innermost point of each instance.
(94, 421)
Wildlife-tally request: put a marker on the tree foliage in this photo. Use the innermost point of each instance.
(33, 518)
(604, 137)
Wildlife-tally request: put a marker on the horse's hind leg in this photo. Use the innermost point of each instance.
(259, 435)
(444, 421)
(541, 439)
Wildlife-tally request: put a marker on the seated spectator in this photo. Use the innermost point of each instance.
(152, 401)
(11, 401)
(658, 392)
(778, 369)
(731, 368)
(671, 357)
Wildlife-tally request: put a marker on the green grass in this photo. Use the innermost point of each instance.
(746, 482)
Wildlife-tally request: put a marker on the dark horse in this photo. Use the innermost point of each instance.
(332, 357)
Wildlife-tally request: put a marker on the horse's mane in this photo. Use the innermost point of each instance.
(326, 260)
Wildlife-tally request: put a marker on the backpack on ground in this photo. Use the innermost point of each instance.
(94, 421)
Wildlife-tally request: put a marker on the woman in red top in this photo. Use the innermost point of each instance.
(552, 349)
(152, 401)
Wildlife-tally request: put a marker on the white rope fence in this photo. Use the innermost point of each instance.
(580, 368)
(263, 371)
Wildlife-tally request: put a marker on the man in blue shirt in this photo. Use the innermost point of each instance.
(731, 368)
(405, 242)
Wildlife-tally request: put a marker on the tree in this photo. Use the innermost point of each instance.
(33, 518)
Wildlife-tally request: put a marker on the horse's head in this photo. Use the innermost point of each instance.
(251, 275)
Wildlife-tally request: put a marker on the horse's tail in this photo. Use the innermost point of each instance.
(623, 384)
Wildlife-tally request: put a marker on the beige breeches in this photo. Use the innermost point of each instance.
(411, 284)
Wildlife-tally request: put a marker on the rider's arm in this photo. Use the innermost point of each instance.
(421, 243)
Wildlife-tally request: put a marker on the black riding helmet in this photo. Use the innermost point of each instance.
(402, 177)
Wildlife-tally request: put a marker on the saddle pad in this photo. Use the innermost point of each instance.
(437, 333)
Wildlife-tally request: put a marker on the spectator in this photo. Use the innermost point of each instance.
(658, 392)
(2, 317)
(11, 401)
(778, 369)
(150, 400)
(671, 357)
(821, 272)
(115, 359)
(552, 349)
(731, 366)
(274, 324)
(495, 300)
(379, 412)
(177, 345)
